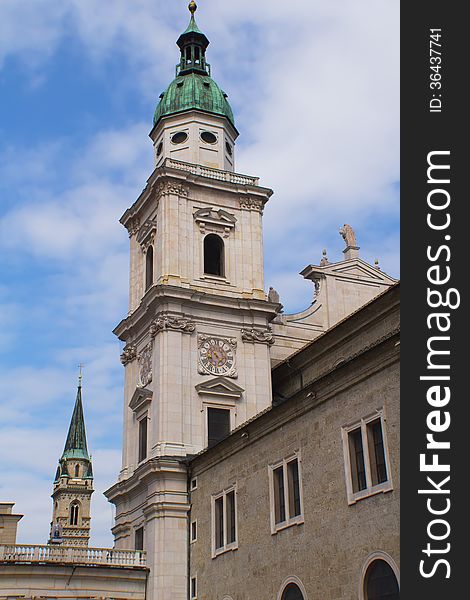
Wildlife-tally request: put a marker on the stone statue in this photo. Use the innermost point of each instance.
(348, 235)
(324, 261)
(273, 296)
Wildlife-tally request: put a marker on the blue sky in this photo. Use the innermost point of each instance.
(315, 91)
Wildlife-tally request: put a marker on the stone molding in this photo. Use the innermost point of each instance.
(252, 204)
(209, 219)
(146, 234)
(129, 354)
(258, 336)
(145, 365)
(167, 322)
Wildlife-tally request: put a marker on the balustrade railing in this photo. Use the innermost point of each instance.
(72, 554)
(211, 173)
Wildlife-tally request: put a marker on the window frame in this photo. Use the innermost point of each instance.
(226, 547)
(288, 521)
(193, 525)
(193, 596)
(370, 489)
(140, 420)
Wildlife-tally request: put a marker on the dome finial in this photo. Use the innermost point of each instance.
(192, 7)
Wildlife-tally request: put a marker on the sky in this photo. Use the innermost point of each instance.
(314, 86)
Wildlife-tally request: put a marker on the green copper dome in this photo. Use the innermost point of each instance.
(193, 91)
(193, 88)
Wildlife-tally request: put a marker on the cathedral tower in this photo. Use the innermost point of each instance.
(73, 485)
(197, 336)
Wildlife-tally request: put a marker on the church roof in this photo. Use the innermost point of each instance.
(193, 88)
(76, 446)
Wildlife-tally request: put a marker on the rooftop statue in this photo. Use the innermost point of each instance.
(348, 235)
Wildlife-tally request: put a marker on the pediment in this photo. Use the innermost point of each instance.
(215, 217)
(140, 398)
(220, 386)
(356, 269)
(146, 231)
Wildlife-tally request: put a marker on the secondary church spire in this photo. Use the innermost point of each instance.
(73, 484)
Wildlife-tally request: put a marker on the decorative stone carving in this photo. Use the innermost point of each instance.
(273, 296)
(146, 234)
(164, 322)
(133, 225)
(251, 204)
(129, 354)
(215, 220)
(145, 365)
(217, 356)
(324, 261)
(258, 336)
(168, 187)
(348, 235)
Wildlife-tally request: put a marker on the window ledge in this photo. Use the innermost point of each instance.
(286, 524)
(225, 549)
(382, 488)
(215, 279)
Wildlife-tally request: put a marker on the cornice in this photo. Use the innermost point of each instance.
(158, 296)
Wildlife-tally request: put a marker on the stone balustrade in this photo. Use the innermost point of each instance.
(19, 553)
(211, 173)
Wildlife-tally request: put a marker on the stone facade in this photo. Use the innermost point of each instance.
(348, 374)
(8, 523)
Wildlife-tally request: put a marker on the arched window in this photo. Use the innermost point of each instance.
(292, 592)
(149, 268)
(74, 513)
(77, 471)
(214, 255)
(380, 582)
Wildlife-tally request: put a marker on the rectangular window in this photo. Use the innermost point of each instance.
(193, 531)
(286, 494)
(218, 425)
(365, 457)
(139, 539)
(143, 439)
(224, 519)
(193, 588)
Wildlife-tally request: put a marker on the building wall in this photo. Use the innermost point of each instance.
(328, 551)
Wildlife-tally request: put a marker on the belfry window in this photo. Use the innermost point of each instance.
(214, 255)
(149, 268)
(77, 471)
(74, 513)
(143, 439)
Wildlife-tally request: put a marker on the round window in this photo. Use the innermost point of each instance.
(160, 148)
(179, 138)
(208, 137)
(228, 148)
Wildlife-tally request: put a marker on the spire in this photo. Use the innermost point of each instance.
(193, 45)
(76, 446)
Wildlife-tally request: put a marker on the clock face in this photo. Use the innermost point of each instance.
(216, 356)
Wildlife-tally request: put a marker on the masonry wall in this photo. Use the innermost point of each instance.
(328, 551)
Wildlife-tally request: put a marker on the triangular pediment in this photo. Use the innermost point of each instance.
(140, 398)
(355, 268)
(220, 386)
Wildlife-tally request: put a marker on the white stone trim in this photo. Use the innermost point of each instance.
(223, 404)
(370, 490)
(191, 595)
(297, 582)
(378, 555)
(191, 539)
(233, 545)
(299, 519)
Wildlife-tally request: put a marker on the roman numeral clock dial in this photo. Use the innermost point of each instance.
(217, 356)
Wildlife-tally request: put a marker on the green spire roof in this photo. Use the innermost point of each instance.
(76, 446)
(193, 88)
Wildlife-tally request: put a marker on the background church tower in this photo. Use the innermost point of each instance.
(73, 485)
(197, 336)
